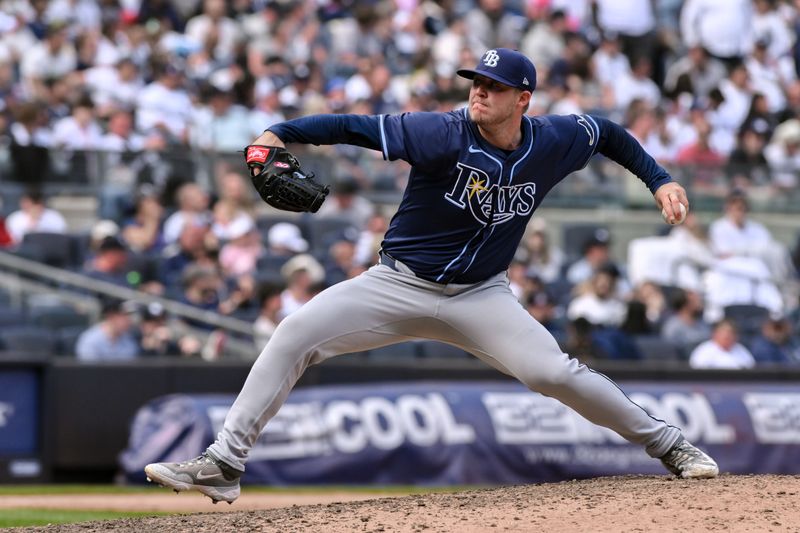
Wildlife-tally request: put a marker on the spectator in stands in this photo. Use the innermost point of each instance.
(213, 26)
(109, 263)
(284, 239)
(157, 339)
(637, 85)
(544, 42)
(544, 258)
(595, 254)
(369, 242)
(722, 350)
(696, 73)
(221, 125)
(234, 189)
(597, 301)
(111, 338)
(341, 262)
(541, 305)
(633, 20)
(722, 28)
(776, 345)
(30, 137)
(783, 155)
(303, 275)
(202, 288)
(735, 234)
(80, 130)
(142, 232)
(269, 297)
(750, 265)
(193, 209)
(685, 327)
(747, 165)
(164, 106)
(196, 245)
(229, 220)
(609, 64)
(345, 202)
(239, 255)
(34, 216)
(706, 163)
(114, 89)
(53, 57)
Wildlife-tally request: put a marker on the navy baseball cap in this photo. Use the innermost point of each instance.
(507, 66)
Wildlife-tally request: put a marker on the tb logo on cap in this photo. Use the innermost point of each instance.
(491, 58)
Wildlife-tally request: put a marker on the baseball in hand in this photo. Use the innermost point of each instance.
(679, 219)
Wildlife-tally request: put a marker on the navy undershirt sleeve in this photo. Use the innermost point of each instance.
(620, 146)
(358, 130)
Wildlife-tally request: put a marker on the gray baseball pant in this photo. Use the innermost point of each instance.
(385, 306)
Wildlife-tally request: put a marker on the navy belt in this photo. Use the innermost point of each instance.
(388, 260)
(391, 262)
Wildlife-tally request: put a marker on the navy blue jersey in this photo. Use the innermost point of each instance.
(468, 202)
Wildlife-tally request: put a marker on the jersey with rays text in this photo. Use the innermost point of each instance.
(467, 202)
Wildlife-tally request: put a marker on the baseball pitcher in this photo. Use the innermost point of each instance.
(477, 175)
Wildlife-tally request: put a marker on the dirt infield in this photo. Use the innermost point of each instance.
(653, 503)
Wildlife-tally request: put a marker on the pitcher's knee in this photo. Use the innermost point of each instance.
(548, 378)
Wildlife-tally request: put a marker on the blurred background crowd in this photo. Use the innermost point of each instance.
(147, 102)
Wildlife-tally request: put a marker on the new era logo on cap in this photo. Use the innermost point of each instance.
(507, 66)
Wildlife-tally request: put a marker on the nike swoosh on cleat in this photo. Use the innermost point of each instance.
(201, 476)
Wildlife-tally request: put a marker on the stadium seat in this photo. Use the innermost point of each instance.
(27, 340)
(656, 348)
(574, 236)
(58, 316)
(67, 338)
(54, 249)
(441, 350)
(10, 316)
(271, 263)
(747, 317)
(322, 232)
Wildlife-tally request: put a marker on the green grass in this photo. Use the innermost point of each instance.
(42, 517)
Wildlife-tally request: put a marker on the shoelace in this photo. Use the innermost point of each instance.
(200, 459)
(682, 454)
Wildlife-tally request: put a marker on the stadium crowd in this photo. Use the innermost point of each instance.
(710, 88)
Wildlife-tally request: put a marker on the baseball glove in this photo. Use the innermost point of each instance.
(280, 182)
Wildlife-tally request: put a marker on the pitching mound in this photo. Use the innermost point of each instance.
(731, 503)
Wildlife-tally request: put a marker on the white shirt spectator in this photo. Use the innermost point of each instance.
(199, 29)
(726, 238)
(772, 28)
(69, 134)
(723, 27)
(628, 17)
(767, 79)
(19, 223)
(710, 355)
(732, 112)
(227, 132)
(629, 88)
(37, 137)
(159, 104)
(610, 67)
(107, 87)
(40, 63)
(85, 13)
(601, 312)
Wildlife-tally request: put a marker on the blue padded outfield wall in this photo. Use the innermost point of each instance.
(442, 433)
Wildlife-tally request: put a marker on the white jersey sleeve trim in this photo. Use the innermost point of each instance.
(383, 138)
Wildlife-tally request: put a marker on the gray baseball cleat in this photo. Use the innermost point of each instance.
(205, 474)
(689, 462)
